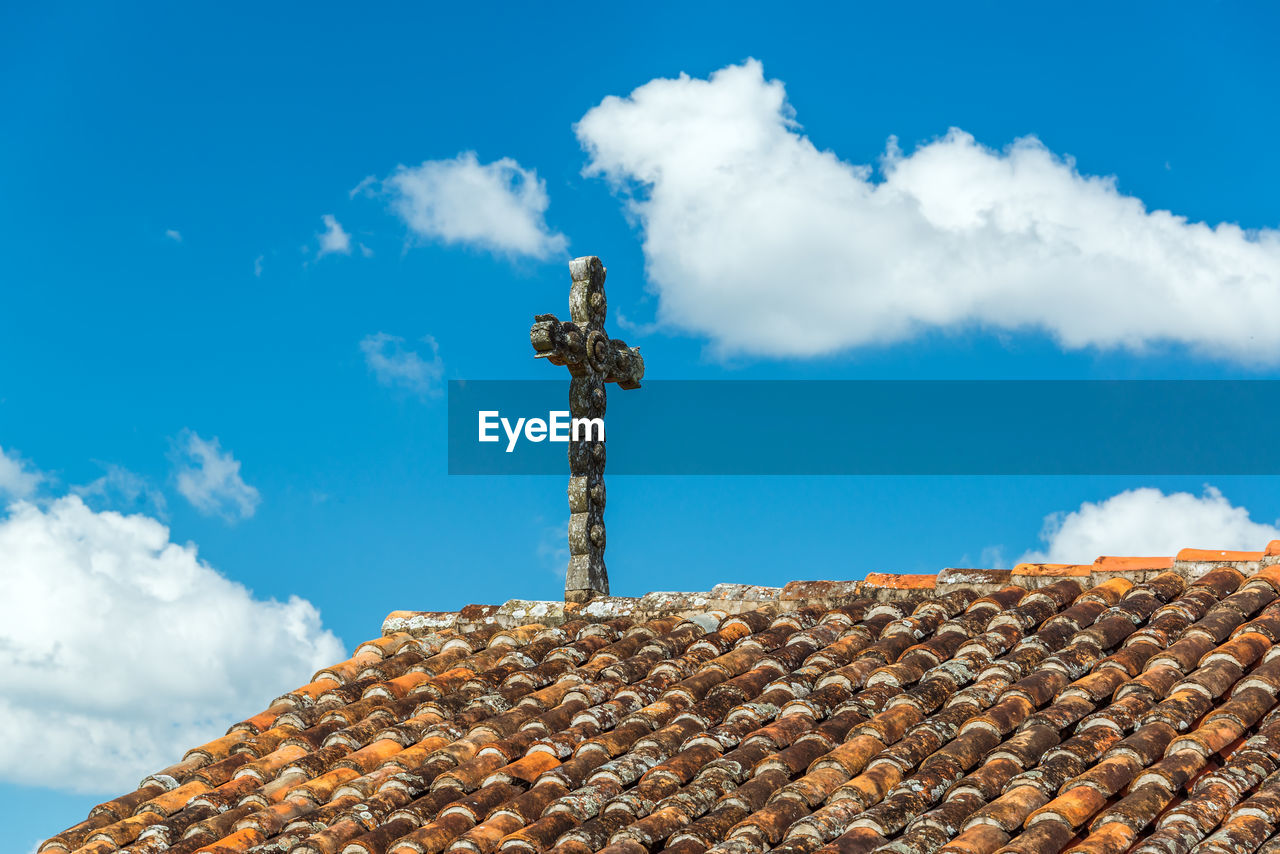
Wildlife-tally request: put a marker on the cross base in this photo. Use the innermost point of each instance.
(586, 578)
(581, 597)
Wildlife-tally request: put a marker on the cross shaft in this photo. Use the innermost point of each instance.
(593, 360)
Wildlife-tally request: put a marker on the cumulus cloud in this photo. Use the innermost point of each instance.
(210, 478)
(396, 365)
(333, 240)
(498, 206)
(1147, 522)
(767, 245)
(18, 479)
(120, 649)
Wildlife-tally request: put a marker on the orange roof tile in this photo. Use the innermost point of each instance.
(1210, 555)
(1107, 563)
(1053, 569)
(893, 581)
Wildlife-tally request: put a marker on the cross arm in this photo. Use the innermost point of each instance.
(626, 367)
(558, 342)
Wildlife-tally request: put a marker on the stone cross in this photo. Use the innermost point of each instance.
(593, 359)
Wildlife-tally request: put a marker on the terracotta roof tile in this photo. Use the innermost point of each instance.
(1110, 563)
(1123, 705)
(1055, 570)
(892, 581)
(1212, 555)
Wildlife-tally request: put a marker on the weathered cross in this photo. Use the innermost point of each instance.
(593, 359)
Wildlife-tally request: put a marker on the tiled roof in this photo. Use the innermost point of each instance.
(1124, 705)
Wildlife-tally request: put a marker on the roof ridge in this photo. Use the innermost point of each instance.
(727, 599)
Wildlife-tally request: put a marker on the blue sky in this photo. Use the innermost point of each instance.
(171, 312)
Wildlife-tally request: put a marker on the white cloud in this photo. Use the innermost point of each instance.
(17, 478)
(553, 549)
(395, 365)
(333, 240)
(764, 243)
(1146, 523)
(497, 206)
(173, 234)
(257, 267)
(366, 187)
(122, 649)
(210, 478)
(121, 489)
